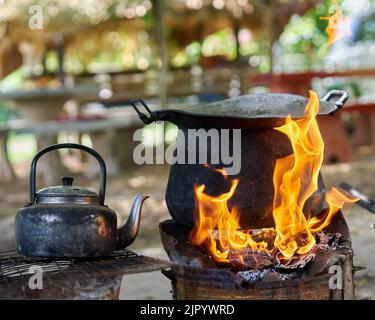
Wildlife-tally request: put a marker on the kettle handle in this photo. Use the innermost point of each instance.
(96, 155)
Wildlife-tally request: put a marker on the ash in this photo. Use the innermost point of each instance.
(253, 275)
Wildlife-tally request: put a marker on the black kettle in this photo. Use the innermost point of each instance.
(71, 221)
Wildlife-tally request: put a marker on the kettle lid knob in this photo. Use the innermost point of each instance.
(67, 181)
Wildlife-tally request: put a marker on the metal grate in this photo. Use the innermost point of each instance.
(64, 275)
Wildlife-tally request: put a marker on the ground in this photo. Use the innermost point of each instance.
(152, 180)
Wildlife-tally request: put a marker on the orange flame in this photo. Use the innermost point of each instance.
(222, 171)
(295, 179)
(339, 26)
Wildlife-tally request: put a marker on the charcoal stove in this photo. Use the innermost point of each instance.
(194, 275)
(97, 278)
(276, 236)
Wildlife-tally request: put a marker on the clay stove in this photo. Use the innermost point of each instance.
(194, 275)
(293, 257)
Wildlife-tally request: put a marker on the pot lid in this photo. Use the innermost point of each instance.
(67, 193)
(260, 105)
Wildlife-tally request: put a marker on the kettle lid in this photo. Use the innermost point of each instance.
(66, 194)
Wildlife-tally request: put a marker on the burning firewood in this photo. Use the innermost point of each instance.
(248, 259)
(296, 262)
(245, 259)
(328, 240)
(325, 243)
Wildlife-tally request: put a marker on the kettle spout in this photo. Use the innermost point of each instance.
(127, 234)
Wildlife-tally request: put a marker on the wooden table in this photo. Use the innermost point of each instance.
(44, 104)
(112, 137)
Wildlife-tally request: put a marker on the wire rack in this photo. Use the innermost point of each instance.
(66, 277)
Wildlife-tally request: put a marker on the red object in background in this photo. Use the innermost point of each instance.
(214, 62)
(302, 78)
(336, 144)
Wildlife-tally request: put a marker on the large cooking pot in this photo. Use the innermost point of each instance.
(256, 115)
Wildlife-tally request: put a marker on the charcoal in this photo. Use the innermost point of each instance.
(325, 243)
(328, 240)
(271, 276)
(248, 259)
(296, 262)
(323, 260)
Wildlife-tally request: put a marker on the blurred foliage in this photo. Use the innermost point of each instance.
(12, 81)
(306, 34)
(21, 147)
(129, 46)
(366, 29)
(56, 13)
(221, 43)
(5, 112)
(114, 50)
(257, 49)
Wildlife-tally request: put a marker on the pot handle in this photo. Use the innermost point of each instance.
(342, 96)
(147, 119)
(96, 155)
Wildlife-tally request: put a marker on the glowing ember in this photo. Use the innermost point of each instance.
(338, 25)
(295, 179)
